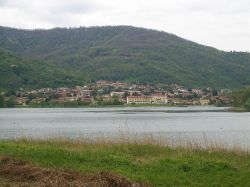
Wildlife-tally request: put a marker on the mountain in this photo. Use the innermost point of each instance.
(16, 72)
(128, 53)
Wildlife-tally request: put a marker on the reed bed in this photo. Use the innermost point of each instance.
(157, 161)
(130, 138)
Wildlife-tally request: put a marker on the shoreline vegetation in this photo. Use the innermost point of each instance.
(143, 161)
(228, 108)
(239, 109)
(223, 109)
(241, 99)
(80, 105)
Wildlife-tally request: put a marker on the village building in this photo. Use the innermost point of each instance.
(197, 91)
(139, 100)
(204, 101)
(159, 98)
(86, 99)
(134, 93)
(225, 91)
(67, 99)
(156, 99)
(86, 93)
(120, 85)
(118, 94)
(103, 83)
(21, 100)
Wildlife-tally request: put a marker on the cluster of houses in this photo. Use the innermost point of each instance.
(125, 93)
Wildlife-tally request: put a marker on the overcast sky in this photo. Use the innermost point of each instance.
(224, 24)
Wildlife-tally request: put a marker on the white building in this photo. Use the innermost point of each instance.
(155, 99)
(118, 94)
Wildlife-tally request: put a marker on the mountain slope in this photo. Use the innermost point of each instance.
(131, 54)
(16, 72)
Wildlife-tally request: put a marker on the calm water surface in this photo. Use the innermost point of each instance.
(176, 123)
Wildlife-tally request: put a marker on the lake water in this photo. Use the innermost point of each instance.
(196, 124)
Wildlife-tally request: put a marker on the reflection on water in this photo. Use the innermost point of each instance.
(176, 123)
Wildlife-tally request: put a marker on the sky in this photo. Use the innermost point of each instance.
(224, 24)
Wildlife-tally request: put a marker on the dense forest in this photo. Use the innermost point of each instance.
(127, 53)
(16, 72)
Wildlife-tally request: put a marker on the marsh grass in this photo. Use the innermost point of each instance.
(157, 161)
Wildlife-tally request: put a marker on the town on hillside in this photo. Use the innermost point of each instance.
(105, 92)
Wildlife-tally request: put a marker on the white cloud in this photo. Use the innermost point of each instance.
(224, 24)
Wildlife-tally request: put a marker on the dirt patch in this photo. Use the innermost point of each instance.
(20, 173)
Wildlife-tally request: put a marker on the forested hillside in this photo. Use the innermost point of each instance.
(130, 54)
(16, 72)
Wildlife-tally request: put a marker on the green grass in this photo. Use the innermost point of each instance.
(153, 164)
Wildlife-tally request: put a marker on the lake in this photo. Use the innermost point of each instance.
(195, 123)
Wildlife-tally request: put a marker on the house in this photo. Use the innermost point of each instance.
(204, 101)
(86, 99)
(67, 99)
(159, 98)
(139, 100)
(120, 85)
(21, 100)
(118, 94)
(225, 91)
(134, 93)
(197, 91)
(103, 83)
(154, 99)
(86, 93)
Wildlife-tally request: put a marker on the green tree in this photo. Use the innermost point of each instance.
(215, 92)
(1, 101)
(247, 104)
(241, 98)
(10, 93)
(115, 100)
(10, 103)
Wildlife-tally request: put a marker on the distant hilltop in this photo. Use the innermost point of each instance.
(116, 53)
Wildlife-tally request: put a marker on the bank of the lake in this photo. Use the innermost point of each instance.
(169, 124)
(70, 105)
(141, 162)
(239, 109)
(165, 146)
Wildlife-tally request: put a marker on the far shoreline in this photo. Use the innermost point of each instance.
(145, 108)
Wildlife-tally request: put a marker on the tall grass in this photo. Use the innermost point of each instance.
(157, 161)
(130, 138)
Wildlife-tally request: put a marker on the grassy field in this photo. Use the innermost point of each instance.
(142, 162)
